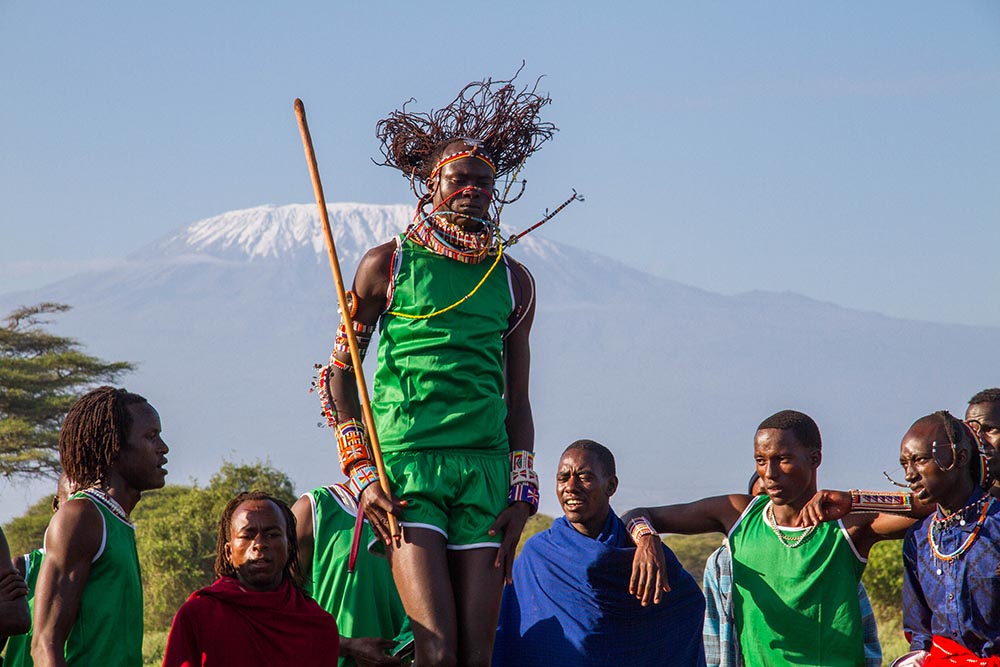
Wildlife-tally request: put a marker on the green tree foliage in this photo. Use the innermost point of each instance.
(177, 528)
(883, 576)
(41, 376)
(25, 533)
(535, 524)
(693, 550)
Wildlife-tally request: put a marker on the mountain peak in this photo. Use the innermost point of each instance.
(275, 232)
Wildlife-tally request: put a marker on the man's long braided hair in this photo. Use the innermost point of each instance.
(502, 118)
(94, 432)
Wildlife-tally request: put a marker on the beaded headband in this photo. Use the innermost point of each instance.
(475, 144)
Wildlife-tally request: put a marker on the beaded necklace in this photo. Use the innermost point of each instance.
(102, 497)
(789, 541)
(949, 521)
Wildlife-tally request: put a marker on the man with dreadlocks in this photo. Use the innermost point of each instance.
(256, 614)
(88, 601)
(450, 397)
(983, 415)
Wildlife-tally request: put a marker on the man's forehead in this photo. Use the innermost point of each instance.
(922, 436)
(258, 511)
(989, 412)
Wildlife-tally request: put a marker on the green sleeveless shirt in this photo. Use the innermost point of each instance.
(439, 383)
(796, 606)
(108, 627)
(18, 651)
(364, 603)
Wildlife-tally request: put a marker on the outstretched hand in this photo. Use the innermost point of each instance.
(649, 571)
(377, 506)
(826, 505)
(511, 523)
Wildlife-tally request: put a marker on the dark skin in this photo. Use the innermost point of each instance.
(984, 418)
(364, 650)
(258, 545)
(14, 616)
(75, 532)
(787, 469)
(452, 597)
(929, 484)
(584, 489)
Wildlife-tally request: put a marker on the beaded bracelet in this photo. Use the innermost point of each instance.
(640, 526)
(352, 447)
(361, 478)
(522, 463)
(362, 333)
(881, 501)
(524, 493)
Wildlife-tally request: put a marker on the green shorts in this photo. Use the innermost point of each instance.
(456, 494)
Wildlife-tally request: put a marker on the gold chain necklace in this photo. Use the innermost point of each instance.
(789, 541)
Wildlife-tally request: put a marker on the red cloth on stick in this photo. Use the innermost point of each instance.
(226, 624)
(947, 653)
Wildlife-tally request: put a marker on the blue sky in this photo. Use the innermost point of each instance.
(846, 151)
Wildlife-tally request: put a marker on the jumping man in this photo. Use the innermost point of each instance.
(450, 396)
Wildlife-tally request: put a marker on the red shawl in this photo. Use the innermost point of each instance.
(946, 653)
(226, 624)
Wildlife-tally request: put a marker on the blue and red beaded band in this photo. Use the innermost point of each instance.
(523, 479)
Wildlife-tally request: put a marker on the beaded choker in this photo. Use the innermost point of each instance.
(789, 541)
(102, 497)
(950, 521)
(448, 239)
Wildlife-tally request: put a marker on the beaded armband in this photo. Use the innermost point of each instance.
(881, 501)
(361, 478)
(352, 447)
(321, 385)
(362, 333)
(523, 479)
(639, 527)
(524, 493)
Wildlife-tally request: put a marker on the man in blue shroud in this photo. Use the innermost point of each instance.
(570, 599)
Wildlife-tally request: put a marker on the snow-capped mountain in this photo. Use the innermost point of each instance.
(226, 317)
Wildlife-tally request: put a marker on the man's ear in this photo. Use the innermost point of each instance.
(612, 485)
(229, 553)
(816, 458)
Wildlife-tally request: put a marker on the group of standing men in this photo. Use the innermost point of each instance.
(453, 415)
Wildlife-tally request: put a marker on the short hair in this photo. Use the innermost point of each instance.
(224, 568)
(603, 454)
(94, 433)
(986, 396)
(799, 423)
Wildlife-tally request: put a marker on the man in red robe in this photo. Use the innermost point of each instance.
(255, 613)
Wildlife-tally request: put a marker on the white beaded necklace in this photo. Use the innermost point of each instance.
(101, 496)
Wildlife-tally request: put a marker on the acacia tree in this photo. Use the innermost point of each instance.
(41, 376)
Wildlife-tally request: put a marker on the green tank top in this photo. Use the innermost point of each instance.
(365, 603)
(796, 606)
(18, 651)
(108, 627)
(439, 382)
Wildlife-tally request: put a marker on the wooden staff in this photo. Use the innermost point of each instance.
(338, 279)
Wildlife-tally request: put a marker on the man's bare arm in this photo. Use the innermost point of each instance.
(302, 509)
(520, 423)
(71, 542)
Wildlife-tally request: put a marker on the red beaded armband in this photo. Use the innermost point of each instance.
(352, 447)
(522, 463)
(639, 527)
(361, 478)
(362, 334)
(881, 501)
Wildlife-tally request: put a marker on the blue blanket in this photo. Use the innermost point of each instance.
(569, 605)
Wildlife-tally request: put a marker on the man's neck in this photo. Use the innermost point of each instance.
(123, 494)
(957, 498)
(788, 514)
